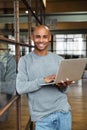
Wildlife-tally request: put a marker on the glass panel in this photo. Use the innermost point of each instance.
(7, 76)
(71, 44)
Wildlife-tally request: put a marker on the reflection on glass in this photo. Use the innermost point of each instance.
(7, 77)
(72, 45)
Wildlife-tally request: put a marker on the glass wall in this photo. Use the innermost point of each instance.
(70, 45)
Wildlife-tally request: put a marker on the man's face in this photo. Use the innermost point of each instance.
(41, 38)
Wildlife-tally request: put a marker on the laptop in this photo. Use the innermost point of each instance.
(70, 68)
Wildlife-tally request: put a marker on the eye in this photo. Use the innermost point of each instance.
(45, 36)
(37, 36)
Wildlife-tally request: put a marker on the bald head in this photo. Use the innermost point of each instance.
(39, 27)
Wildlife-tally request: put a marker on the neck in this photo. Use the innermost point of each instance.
(41, 53)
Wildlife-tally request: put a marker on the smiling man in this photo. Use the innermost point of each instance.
(48, 105)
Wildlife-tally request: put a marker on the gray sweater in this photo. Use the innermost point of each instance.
(42, 100)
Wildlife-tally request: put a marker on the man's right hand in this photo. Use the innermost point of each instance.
(49, 78)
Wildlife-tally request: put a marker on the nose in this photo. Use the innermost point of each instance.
(41, 39)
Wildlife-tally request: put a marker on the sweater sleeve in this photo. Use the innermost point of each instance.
(23, 85)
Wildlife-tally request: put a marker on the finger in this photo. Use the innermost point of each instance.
(67, 79)
(63, 84)
(73, 82)
(62, 81)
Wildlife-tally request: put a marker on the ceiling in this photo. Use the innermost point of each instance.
(52, 6)
(56, 6)
(70, 14)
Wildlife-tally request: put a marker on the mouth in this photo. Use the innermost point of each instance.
(40, 45)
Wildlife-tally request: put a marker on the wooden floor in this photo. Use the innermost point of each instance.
(78, 99)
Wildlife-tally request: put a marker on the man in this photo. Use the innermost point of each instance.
(7, 77)
(48, 104)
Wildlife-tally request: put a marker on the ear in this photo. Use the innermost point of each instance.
(50, 38)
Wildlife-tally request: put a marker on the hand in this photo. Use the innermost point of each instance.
(49, 78)
(63, 85)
